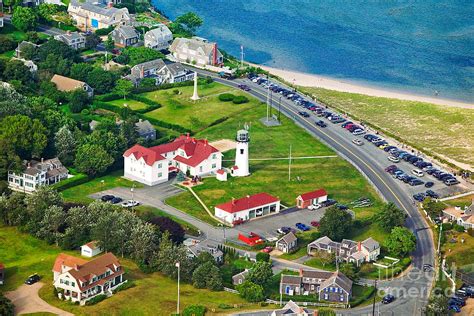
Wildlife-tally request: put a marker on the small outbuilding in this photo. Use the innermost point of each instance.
(311, 198)
(90, 249)
(239, 278)
(287, 243)
(221, 175)
(247, 208)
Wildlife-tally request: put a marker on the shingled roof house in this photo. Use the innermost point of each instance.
(197, 248)
(347, 250)
(196, 50)
(75, 40)
(79, 280)
(153, 165)
(160, 71)
(37, 173)
(158, 38)
(287, 243)
(328, 286)
(124, 36)
(93, 16)
(292, 309)
(66, 84)
(463, 217)
(145, 130)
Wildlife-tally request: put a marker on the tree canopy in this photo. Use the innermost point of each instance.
(400, 242)
(335, 223)
(24, 18)
(391, 216)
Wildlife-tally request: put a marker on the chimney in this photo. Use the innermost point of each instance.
(29, 164)
(76, 267)
(301, 272)
(142, 72)
(359, 246)
(110, 5)
(205, 142)
(42, 160)
(233, 201)
(214, 55)
(187, 135)
(68, 32)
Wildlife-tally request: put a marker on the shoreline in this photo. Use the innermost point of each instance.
(316, 81)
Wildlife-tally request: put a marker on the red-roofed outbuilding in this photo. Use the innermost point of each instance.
(247, 208)
(311, 198)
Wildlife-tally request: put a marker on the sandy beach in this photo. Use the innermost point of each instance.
(309, 80)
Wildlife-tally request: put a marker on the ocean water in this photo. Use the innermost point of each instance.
(415, 46)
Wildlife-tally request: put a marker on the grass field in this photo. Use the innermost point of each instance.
(80, 193)
(461, 202)
(443, 130)
(338, 177)
(459, 253)
(132, 104)
(179, 109)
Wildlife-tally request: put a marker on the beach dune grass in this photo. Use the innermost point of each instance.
(445, 131)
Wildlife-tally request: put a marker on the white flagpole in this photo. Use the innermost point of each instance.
(177, 307)
(241, 56)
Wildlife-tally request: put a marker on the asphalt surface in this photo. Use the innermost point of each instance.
(370, 161)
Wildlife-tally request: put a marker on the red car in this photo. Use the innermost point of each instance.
(267, 249)
(315, 224)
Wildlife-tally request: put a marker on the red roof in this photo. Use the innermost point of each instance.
(220, 171)
(197, 150)
(313, 195)
(248, 202)
(66, 260)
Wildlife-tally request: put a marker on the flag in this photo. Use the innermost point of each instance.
(177, 264)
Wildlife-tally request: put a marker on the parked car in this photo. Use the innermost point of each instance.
(432, 194)
(116, 200)
(32, 279)
(313, 207)
(328, 202)
(130, 203)
(358, 142)
(454, 308)
(420, 197)
(415, 182)
(267, 249)
(393, 159)
(303, 114)
(358, 131)
(427, 267)
(315, 223)
(387, 299)
(451, 181)
(321, 123)
(302, 227)
(429, 184)
(391, 168)
(417, 173)
(284, 230)
(106, 198)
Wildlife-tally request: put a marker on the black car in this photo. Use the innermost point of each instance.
(420, 197)
(387, 299)
(415, 182)
(116, 200)
(429, 184)
(328, 202)
(321, 123)
(106, 198)
(342, 207)
(432, 194)
(303, 114)
(414, 159)
(388, 148)
(32, 279)
(431, 171)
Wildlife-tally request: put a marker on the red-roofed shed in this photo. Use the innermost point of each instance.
(311, 198)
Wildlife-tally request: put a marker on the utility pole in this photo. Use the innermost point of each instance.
(279, 112)
(373, 304)
(289, 166)
(439, 237)
(177, 307)
(268, 104)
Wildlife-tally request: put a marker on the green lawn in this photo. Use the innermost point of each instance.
(189, 228)
(369, 271)
(443, 130)
(179, 109)
(338, 177)
(132, 104)
(316, 263)
(80, 193)
(461, 202)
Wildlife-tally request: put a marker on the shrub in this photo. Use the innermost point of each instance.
(240, 99)
(96, 299)
(194, 310)
(262, 256)
(458, 228)
(176, 91)
(108, 97)
(104, 31)
(124, 286)
(71, 182)
(447, 226)
(226, 97)
(85, 112)
(224, 306)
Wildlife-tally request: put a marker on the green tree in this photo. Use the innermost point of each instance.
(50, 226)
(142, 242)
(6, 306)
(24, 19)
(109, 44)
(137, 55)
(6, 44)
(80, 71)
(56, 65)
(92, 40)
(102, 81)
(16, 70)
(92, 159)
(65, 144)
(58, 49)
(438, 305)
(32, 37)
(400, 242)
(335, 223)
(390, 217)
(194, 310)
(261, 273)
(251, 292)
(37, 205)
(26, 136)
(46, 11)
(78, 100)
(433, 208)
(13, 209)
(187, 24)
(349, 270)
(263, 256)
(123, 87)
(207, 275)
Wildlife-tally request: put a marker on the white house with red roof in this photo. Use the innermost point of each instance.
(79, 280)
(311, 198)
(153, 165)
(91, 249)
(247, 208)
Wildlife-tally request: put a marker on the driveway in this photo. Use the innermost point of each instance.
(27, 301)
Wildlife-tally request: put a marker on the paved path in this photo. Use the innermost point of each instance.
(27, 300)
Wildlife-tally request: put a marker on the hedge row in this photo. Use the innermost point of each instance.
(104, 31)
(71, 182)
(108, 97)
(174, 127)
(218, 121)
(164, 86)
(124, 286)
(96, 299)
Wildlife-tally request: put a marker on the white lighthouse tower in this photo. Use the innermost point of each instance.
(241, 168)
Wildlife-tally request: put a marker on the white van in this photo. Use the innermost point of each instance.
(417, 173)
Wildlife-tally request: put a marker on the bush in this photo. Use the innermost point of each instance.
(447, 226)
(104, 31)
(194, 310)
(157, 122)
(96, 299)
(108, 97)
(226, 97)
(224, 306)
(124, 286)
(176, 91)
(85, 112)
(262, 256)
(71, 182)
(6, 44)
(458, 228)
(240, 99)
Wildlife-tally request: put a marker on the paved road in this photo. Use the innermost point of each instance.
(371, 162)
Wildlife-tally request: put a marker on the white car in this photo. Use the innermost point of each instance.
(393, 159)
(314, 207)
(358, 142)
(417, 173)
(259, 213)
(130, 203)
(358, 132)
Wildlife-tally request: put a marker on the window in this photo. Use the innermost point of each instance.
(341, 298)
(242, 151)
(326, 296)
(160, 174)
(213, 166)
(73, 284)
(214, 156)
(160, 165)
